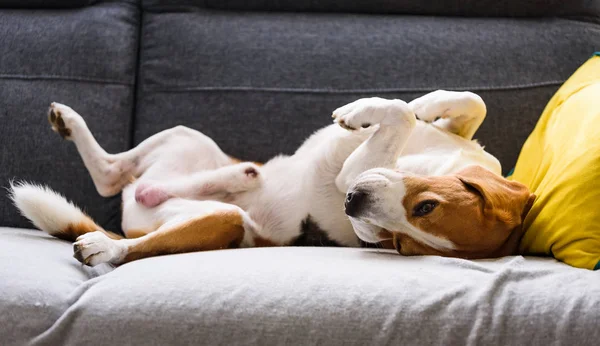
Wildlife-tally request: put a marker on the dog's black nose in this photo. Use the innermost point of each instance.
(354, 201)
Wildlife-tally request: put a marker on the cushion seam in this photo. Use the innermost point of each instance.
(176, 89)
(73, 299)
(65, 78)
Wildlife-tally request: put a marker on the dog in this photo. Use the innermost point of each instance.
(403, 175)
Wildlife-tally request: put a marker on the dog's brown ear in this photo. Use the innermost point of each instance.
(505, 202)
(499, 194)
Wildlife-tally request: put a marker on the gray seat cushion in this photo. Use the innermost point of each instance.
(268, 296)
(83, 57)
(260, 83)
(39, 280)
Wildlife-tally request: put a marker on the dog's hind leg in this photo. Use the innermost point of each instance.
(458, 112)
(108, 171)
(191, 226)
(215, 184)
(111, 172)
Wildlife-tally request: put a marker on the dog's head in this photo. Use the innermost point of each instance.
(472, 214)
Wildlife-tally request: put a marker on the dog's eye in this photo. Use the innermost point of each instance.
(424, 208)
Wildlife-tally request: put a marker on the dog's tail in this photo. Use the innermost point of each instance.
(51, 212)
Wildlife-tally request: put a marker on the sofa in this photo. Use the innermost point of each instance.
(259, 76)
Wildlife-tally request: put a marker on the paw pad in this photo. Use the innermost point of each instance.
(251, 172)
(343, 124)
(57, 122)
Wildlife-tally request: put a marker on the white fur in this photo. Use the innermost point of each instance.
(185, 164)
(46, 209)
(98, 248)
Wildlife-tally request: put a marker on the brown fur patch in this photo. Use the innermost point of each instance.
(74, 230)
(480, 212)
(221, 230)
(235, 160)
(135, 233)
(387, 241)
(131, 179)
(262, 242)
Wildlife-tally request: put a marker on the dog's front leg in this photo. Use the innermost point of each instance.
(111, 172)
(459, 112)
(395, 120)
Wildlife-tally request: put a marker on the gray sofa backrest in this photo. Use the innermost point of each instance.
(84, 57)
(260, 82)
(494, 8)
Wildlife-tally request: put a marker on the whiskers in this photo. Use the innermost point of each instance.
(396, 242)
(379, 245)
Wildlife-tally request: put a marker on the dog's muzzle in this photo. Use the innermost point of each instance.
(354, 202)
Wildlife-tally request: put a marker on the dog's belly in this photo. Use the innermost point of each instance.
(285, 223)
(304, 209)
(137, 220)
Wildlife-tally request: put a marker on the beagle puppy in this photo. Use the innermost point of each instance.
(405, 175)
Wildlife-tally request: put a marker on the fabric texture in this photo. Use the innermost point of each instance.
(44, 3)
(85, 58)
(560, 163)
(260, 83)
(505, 8)
(39, 280)
(291, 296)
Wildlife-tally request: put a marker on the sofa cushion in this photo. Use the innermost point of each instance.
(39, 280)
(292, 296)
(260, 83)
(447, 7)
(85, 58)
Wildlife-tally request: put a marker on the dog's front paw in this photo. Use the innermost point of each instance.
(64, 120)
(95, 247)
(367, 112)
(442, 104)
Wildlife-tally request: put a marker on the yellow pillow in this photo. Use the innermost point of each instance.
(560, 163)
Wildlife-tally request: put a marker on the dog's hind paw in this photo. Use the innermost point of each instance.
(96, 247)
(63, 119)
